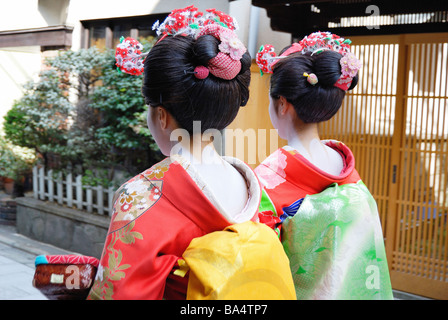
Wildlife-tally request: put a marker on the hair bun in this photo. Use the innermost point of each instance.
(170, 72)
(205, 48)
(327, 67)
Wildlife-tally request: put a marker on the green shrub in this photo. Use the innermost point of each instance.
(83, 115)
(15, 161)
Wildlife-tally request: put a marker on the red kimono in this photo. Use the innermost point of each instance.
(288, 176)
(155, 216)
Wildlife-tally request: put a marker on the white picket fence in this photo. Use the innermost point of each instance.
(71, 192)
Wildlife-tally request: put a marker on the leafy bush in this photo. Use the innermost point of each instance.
(15, 161)
(40, 119)
(84, 115)
(122, 123)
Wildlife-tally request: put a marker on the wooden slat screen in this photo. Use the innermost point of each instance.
(365, 122)
(396, 123)
(421, 241)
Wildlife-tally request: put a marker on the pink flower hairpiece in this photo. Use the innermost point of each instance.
(350, 66)
(226, 65)
(231, 44)
(315, 43)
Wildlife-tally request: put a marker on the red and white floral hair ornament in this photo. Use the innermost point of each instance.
(315, 43)
(191, 22)
(129, 56)
(349, 67)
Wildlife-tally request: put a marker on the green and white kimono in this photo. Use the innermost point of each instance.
(329, 227)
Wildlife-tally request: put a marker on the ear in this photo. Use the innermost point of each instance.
(284, 106)
(162, 117)
(165, 119)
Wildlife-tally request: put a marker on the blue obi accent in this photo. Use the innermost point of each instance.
(291, 210)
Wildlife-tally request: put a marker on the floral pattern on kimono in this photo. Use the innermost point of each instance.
(155, 216)
(272, 173)
(133, 199)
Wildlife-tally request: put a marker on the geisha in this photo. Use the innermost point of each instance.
(198, 71)
(313, 196)
(188, 227)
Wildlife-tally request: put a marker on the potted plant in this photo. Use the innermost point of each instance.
(15, 164)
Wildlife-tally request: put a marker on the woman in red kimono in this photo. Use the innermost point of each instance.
(195, 79)
(313, 194)
(307, 88)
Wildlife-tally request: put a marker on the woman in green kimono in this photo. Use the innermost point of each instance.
(313, 195)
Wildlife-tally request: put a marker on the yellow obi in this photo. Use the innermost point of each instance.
(245, 261)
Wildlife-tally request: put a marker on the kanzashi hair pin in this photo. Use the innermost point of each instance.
(191, 22)
(315, 44)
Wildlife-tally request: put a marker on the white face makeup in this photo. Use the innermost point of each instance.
(304, 138)
(281, 124)
(272, 112)
(320, 155)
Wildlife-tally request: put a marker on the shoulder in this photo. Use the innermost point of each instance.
(348, 158)
(148, 178)
(147, 184)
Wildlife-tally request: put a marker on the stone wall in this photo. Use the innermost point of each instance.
(66, 228)
(8, 209)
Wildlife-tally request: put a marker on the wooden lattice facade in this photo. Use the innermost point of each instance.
(396, 124)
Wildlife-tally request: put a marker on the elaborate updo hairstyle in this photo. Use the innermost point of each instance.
(170, 81)
(312, 103)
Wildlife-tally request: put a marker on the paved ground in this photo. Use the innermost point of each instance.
(17, 255)
(16, 277)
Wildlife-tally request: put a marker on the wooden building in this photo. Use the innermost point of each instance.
(395, 121)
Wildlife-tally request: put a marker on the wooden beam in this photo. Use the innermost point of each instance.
(109, 37)
(334, 12)
(348, 6)
(85, 37)
(296, 17)
(59, 36)
(307, 25)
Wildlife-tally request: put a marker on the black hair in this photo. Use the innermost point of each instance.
(312, 103)
(169, 82)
